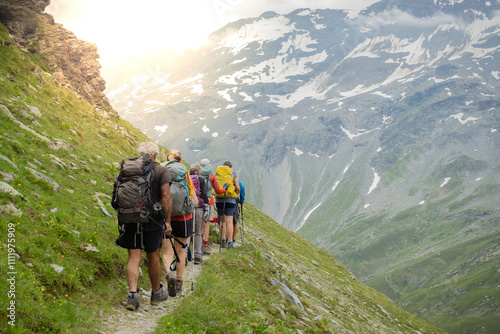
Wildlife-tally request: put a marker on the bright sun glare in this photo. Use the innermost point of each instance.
(124, 28)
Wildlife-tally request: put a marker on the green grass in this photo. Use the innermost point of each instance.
(234, 294)
(55, 227)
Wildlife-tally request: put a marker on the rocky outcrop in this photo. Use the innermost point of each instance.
(21, 16)
(73, 63)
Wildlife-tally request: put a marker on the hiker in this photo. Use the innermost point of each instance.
(183, 203)
(148, 235)
(240, 200)
(212, 186)
(201, 193)
(226, 203)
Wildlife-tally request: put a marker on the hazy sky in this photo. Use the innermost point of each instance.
(121, 28)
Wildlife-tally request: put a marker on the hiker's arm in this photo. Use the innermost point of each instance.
(166, 203)
(237, 185)
(216, 186)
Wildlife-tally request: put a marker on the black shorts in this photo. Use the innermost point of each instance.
(182, 229)
(130, 239)
(228, 209)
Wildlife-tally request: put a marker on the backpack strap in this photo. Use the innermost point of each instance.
(173, 265)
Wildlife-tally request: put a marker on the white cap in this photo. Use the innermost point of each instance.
(205, 162)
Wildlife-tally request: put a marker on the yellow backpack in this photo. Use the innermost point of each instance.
(224, 175)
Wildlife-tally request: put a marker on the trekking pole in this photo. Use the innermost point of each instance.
(194, 239)
(242, 230)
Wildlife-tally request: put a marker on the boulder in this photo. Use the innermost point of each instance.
(7, 188)
(11, 209)
(288, 293)
(40, 176)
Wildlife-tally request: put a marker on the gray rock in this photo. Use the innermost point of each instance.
(7, 188)
(7, 177)
(3, 157)
(105, 212)
(6, 112)
(61, 143)
(90, 248)
(45, 178)
(35, 111)
(32, 165)
(11, 209)
(288, 293)
(57, 268)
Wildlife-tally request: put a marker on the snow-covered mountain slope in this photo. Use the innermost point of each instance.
(367, 132)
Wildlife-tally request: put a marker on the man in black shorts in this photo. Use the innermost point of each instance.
(151, 237)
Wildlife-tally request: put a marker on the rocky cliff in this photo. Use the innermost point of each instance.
(72, 62)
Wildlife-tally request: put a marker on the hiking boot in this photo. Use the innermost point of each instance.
(230, 245)
(133, 302)
(158, 296)
(198, 260)
(171, 276)
(223, 243)
(178, 285)
(205, 249)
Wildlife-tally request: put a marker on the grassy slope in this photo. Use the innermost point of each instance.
(57, 226)
(234, 293)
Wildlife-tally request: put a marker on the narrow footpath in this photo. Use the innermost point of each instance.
(145, 319)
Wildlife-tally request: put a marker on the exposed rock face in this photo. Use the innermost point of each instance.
(20, 16)
(73, 62)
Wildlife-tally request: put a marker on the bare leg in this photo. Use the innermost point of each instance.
(154, 268)
(182, 257)
(167, 254)
(134, 259)
(228, 227)
(235, 230)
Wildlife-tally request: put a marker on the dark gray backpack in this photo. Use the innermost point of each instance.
(132, 192)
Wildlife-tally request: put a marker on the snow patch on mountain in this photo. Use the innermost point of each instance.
(261, 31)
(460, 116)
(161, 128)
(274, 70)
(383, 95)
(298, 152)
(360, 132)
(314, 89)
(376, 180)
(445, 182)
(298, 42)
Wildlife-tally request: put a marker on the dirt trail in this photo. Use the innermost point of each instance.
(145, 319)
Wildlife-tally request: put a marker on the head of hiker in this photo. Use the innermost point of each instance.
(174, 155)
(148, 150)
